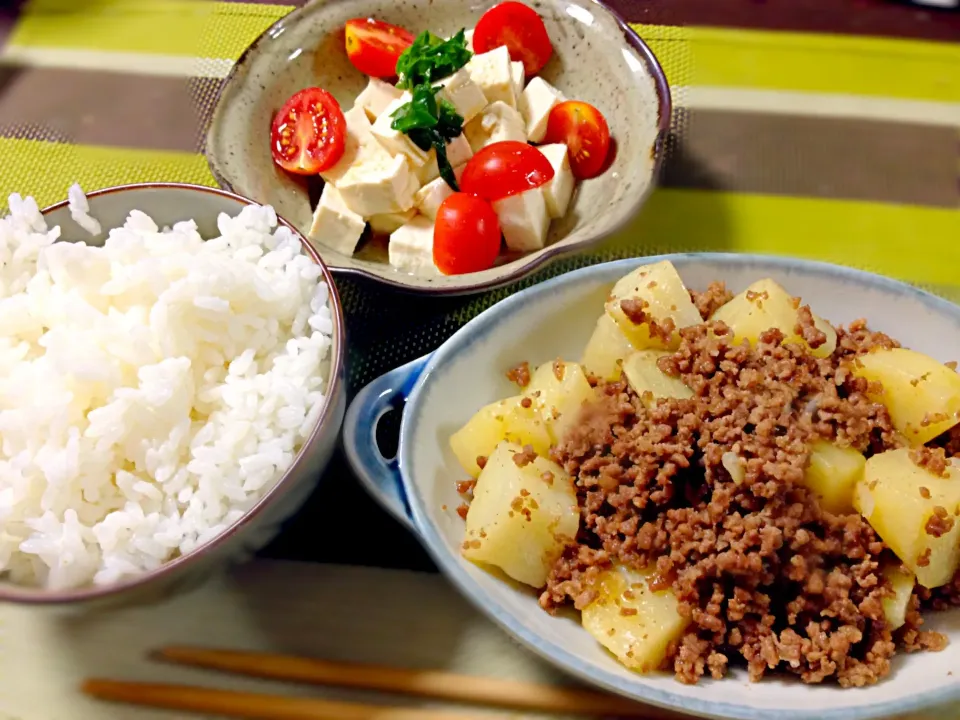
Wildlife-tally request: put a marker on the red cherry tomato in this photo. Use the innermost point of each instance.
(309, 133)
(374, 46)
(519, 28)
(505, 168)
(584, 130)
(466, 235)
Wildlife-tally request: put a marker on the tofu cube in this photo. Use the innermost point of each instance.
(411, 246)
(493, 73)
(536, 102)
(379, 184)
(523, 220)
(387, 223)
(559, 190)
(334, 224)
(458, 152)
(498, 122)
(463, 93)
(394, 141)
(468, 36)
(377, 96)
(359, 140)
(519, 78)
(431, 195)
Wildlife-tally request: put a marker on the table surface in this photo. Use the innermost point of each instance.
(819, 128)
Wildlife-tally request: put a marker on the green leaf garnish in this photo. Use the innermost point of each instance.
(430, 59)
(430, 123)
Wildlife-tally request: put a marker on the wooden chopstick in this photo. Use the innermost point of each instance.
(434, 684)
(252, 705)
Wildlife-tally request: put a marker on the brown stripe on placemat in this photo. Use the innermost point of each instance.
(848, 17)
(104, 108)
(837, 158)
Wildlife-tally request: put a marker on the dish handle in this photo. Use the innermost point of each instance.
(380, 476)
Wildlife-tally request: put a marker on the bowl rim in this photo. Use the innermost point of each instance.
(38, 596)
(431, 537)
(537, 259)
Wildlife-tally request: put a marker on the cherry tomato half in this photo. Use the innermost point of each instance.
(519, 28)
(584, 130)
(309, 133)
(466, 235)
(505, 168)
(374, 46)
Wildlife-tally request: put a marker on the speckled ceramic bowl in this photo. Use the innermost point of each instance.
(555, 319)
(168, 203)
(597, 58)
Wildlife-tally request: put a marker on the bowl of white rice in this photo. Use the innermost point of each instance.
(171, 388)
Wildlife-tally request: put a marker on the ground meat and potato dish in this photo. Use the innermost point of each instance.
(726, 481)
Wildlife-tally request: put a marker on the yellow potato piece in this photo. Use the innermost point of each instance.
(832, 474)
(649, 381)
(765, 305)
(504, 420)
(606, 350)
(895, 607)
(899, 498)
(661, 289)
(558, 390)
(521, 518)
(630, 620)
(921, 394)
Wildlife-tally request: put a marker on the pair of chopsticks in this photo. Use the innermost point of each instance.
(433, 684)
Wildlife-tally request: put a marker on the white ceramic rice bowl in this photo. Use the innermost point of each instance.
(554, 319)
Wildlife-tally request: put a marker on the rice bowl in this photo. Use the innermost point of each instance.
(154, 390)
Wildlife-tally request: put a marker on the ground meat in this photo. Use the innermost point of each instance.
(931, 459)
(710, 300)
(520, 374)
(767, 578)
(525, 456)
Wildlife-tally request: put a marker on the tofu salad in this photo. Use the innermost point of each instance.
(456, 150)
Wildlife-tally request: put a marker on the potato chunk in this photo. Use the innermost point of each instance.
(606, 349)
(921, 394)
(832, 474)
(914, 512)
(504, 420)
(632, 621)
(522, 516)
(895, 606)
(558, 390)
(658, 290)
(765, 305)
(649, 381)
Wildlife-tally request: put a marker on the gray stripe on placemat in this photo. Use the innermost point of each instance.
(104, 108)
(844, 159)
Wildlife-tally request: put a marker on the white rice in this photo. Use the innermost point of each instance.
(151, 391)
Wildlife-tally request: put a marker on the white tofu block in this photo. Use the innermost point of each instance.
(493, 73)
(559, 190)
(536, 102)
(359, 140)
(376, 96)
(334, 224)
(411, 246)
(523, 220)
(468, 36)
(464, 94)
(394, 141)
(383, 184)
(429, 198)
(458, 152)
(388, 223)
(519, 78)
(499, 122)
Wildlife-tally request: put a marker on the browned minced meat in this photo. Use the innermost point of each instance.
(525, 456)
(520, 374)
(710, 300)
(931, 459)
(766, 577)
